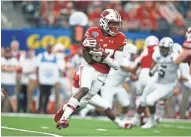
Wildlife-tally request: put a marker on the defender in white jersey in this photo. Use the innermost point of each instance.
(143, 77)
(164, 72)
(113, 85)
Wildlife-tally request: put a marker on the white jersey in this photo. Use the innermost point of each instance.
(113, 84)
(167, 70)
(116, 77)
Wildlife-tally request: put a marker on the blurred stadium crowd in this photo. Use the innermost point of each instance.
(169, 18)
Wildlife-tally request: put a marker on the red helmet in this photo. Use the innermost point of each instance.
(110, 21)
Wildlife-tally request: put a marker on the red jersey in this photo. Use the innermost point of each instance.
(187, 45)
(147, 60)
(109, 44)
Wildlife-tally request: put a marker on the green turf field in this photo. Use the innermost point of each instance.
(37, 126)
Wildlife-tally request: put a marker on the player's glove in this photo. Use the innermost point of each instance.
(90, 42)
(152, 71)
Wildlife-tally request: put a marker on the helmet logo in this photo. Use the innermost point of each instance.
(105, 13)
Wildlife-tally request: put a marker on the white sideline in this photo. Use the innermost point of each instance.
(30, 131)
(104, 118)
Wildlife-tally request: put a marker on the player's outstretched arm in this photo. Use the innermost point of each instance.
(153, 69)
(111, 62)
(183, 55)
(131, 69)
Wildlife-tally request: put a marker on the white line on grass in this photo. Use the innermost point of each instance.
(30, 131)
(174, 126)
(101, 129)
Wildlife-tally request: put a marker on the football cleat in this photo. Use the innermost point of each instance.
(62, 123)
(59, 113)
(135, 121)
(128, 125)
(150, 123)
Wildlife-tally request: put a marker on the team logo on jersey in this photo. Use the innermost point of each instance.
(110, 41)
(95, 34)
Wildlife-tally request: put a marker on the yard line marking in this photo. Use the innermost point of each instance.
(44, 127)
(173, 126)
(156, 131)
(101, 129)
(30, 131)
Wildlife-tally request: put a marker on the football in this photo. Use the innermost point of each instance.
(87, 56)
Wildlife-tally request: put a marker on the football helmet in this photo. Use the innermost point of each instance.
(165, 46)
(130, 51)
(177, 48)
(151, 41)
(110, 21)
(188, 34)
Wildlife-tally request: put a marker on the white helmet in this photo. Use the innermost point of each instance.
(129, 50)
(165, 46)
(188, 34)
(151, 41)
(177, 48)
(108, 16)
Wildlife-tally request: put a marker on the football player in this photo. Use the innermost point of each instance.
(164, 79)
(143, 78)
(95, 101)
(186, 53)
(151, 42)
(113, 85)
(99, 47)
(183, 83)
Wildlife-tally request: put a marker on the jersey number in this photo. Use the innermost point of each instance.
(98, 59)
(162, 71)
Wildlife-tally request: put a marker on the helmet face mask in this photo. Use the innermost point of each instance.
(165, 46)
(114, 26)
(164, 51)
(110, 21)
(130, 51)
(133, 56)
